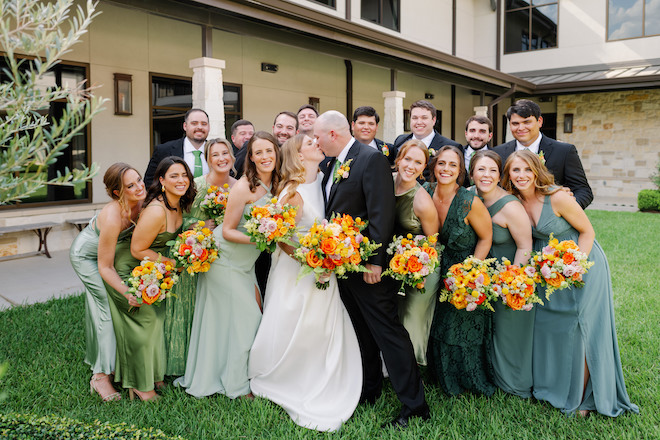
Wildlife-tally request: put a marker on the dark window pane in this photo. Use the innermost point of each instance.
(625, 19)
(544, 26)
(516, 31)
(371, 10)
(330, 3)
(383, 12)
(513, 4)
(168, 92)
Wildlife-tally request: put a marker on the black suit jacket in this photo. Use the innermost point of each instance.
(368, 193)
(563, 161)
(240, 160)
(171, 148)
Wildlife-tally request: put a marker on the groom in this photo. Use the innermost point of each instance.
(368, 192)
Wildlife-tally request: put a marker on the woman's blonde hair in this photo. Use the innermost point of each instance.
(544, 180)
(293, 169)
(211, 142)
(113, 179)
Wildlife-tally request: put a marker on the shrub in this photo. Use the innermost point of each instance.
(648, 200)
(29, 426)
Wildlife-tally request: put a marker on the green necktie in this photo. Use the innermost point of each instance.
(198, 171)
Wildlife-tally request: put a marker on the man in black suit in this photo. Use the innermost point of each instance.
(478, 132)
(189, 147)
(560, 158)
(306, 117)
(364, 127)
(368, 193)
(422, 121)
(241, 132)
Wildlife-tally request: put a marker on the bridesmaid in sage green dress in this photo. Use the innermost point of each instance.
(225, 325)
(512, 238)
(416, 215)
(460, 342)
(92, 254)
(179, 313)
(575, 358)
(140, 364)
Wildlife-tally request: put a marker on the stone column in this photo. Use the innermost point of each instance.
(393, 117)
(207, 92)
(481, 110)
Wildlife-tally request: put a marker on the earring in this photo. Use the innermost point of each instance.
(162, 188)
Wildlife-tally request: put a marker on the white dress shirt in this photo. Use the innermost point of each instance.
(342, 158)
(189, 157)
(427, 140)
(533, 147)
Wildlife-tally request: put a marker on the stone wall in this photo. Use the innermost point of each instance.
(618, 137)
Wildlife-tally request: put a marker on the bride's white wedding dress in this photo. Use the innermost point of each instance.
(305, 356)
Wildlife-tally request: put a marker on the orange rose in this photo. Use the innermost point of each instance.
(414, 265)
(183, 248)
(432, 252)
(556, 281)
(328, 263)
(397, 263)
(329, 245)
(568, 258)
(313, 260)
(355, 258)
(147, 299)
(204, 256)
(515, 301)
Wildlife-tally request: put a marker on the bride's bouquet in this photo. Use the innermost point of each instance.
(468, 285)
(269, 224)
(334, 246)
(194, 249)
(151, 282)
(515, 285)
(560, 265)
(414, 258)
(215, 202)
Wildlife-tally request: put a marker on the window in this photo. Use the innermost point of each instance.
(330, 3)
(530, 25)
(383, 12)
(632, 19)
(171, 98)
(66, 75)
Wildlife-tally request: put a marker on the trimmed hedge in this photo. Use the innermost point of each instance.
(29, 426)
(648, 200)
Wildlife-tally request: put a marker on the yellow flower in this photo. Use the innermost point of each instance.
(273, 200)
(201, 223)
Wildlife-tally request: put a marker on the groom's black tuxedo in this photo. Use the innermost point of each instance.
(562, 160)
(368, 192)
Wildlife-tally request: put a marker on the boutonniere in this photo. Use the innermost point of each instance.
(385, 150)
(431, 152)
(342, 171)
(542, 157)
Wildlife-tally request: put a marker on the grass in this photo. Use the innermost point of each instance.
(44, 345)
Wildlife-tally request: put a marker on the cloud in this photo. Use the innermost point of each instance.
(625, 19)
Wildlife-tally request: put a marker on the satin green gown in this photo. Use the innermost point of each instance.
(226, 319)
(100, 344)
(460, 342)
(415, 309)
(513, 330)
(140, 341)
(179, 312)
(574, 325)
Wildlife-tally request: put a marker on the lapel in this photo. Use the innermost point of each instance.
(327, 175)
(352, 155)
(546, 146)
(178, 148)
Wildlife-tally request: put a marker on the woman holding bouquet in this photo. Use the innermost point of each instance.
(139, 327)
(233, 311)
(512, 239)
(460, 342)
(179, 313)
(92, 255)
(416, 215)
(576, 364)
(302, 322)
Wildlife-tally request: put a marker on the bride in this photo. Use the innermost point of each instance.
(305, 357)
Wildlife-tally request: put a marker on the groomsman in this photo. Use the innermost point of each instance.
(371, 301)
(189, 147)
(364, 127)
(241, 132)
(306, 116)
(478, 132)
(560, 158)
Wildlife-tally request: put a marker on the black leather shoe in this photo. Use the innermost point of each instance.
(371, 400)
(402, 421)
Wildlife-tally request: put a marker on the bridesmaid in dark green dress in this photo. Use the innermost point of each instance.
(460, 342)
(139, 328)
(513, 330)
(179, 313)
(416, 215)
(92, 254)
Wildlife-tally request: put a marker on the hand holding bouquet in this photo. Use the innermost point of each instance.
(414, 258)
(560, 265)
(269, 224)
(151, 282)
(194, 249)
(334, 246)
(215, 203)
(515, 285)
(468, 285)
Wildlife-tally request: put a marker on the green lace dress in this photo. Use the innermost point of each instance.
(415, 310)
(460, 342)
(179, 312)
(513, 330)
(140, 342)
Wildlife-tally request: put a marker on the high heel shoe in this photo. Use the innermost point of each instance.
(108, 397)
(143, 395)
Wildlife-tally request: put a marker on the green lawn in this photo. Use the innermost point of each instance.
(44, 345)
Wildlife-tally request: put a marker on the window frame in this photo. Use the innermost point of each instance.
(607, 25)
(530, 7)
(322, 3)
(380, 18)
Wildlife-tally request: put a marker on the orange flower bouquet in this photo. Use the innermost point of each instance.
(151, 282)
(194, 249)
(334, 246)
(414, 258)
(269, 224)
(215, 202)
(515, 285)
(468, 285)
(560, 265)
